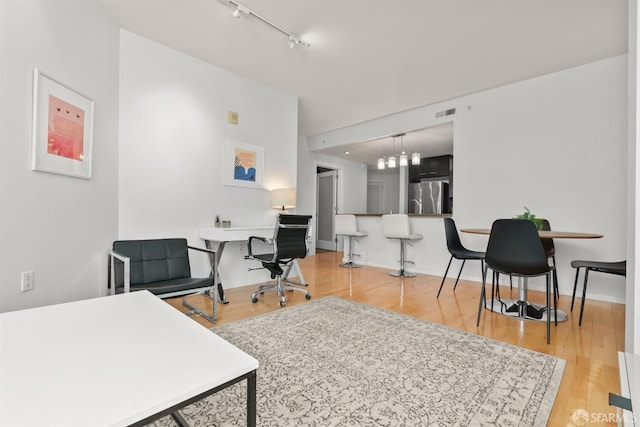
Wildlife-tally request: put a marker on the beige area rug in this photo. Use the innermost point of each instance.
(333, 362)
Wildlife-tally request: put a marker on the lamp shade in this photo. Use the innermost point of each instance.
(283, 198)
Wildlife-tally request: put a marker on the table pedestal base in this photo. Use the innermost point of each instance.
(524, 310)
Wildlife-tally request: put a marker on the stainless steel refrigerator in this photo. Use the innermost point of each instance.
(429, 197)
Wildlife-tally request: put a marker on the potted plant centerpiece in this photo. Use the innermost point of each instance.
(530, 217)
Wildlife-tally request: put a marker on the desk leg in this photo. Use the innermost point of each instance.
(298, 272)
(251, 399)
(215, 262)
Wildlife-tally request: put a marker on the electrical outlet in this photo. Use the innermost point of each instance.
(27, 281)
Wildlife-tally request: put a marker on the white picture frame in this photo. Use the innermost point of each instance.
(62, 134)
(243, 164)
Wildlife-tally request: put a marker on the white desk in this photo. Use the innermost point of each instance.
(215, 238)
(119, 360)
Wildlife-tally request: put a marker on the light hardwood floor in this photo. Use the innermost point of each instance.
(590, 350)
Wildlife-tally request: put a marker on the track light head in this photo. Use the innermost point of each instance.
(240, 9)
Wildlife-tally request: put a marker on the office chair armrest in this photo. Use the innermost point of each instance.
(260, 239)
(112, 271)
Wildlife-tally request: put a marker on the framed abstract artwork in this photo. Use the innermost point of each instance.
(62, 128)
(243, 164)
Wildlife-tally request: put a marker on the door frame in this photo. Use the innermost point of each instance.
(339, 192)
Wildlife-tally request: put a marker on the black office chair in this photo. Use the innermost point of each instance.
(618, 268)
(160, 266)
(515, 249)
(457, 251)
(289, 243)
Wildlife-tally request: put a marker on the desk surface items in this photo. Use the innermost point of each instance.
(537, 312)
(119, 360)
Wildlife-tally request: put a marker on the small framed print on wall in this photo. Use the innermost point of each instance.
(62, 128)
(243, 164)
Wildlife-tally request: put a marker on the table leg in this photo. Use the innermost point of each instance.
(251, 399)
(298, 272)
(215, 262)
(526, 310)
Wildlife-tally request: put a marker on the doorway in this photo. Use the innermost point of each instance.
(326, 208)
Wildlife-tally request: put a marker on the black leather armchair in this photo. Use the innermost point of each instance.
(289, 243)
(160, 266)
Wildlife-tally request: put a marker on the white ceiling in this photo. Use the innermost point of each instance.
(369, 59)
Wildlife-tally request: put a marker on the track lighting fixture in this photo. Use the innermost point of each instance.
(240, 9)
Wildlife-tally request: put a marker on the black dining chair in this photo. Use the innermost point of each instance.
(618, 268)
(457, 251)
(515, 249)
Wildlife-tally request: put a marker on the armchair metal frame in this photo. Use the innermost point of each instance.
(114, 257)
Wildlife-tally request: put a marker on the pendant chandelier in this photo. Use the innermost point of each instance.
(403, 157)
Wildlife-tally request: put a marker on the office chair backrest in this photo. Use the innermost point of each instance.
(515, 247)
(155, 260)
(451, 233)
(291, 236)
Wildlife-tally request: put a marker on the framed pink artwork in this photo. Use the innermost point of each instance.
(243, 164)
(62, 128)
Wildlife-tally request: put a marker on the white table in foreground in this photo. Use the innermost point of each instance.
(119, 360)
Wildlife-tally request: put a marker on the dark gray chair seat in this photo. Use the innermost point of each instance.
(618, 268)
(172, 286)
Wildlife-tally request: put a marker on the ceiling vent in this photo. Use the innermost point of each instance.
(444, 113)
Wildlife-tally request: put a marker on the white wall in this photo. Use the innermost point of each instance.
(173, 124)
(58, 226)
(556, 144)
(352, 183)
(391, 184)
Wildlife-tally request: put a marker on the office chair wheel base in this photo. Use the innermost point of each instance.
(282, 303)
(308, 296)
(254, 299)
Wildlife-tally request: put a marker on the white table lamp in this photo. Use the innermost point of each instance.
(283, 199)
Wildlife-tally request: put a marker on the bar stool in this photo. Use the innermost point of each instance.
(396, 226)
(346, 226)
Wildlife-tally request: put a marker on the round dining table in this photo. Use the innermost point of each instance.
(544, 234)
(522, 308)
